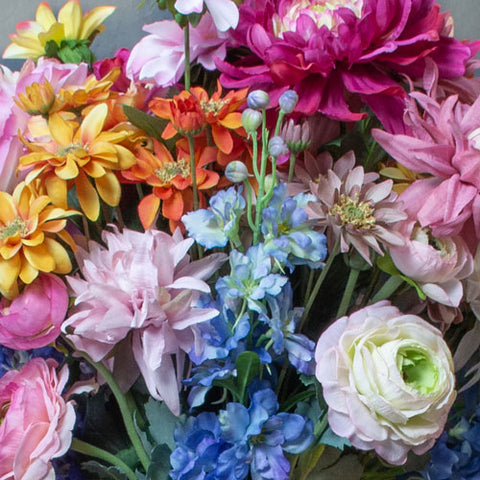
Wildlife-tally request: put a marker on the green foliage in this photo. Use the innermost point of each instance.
(70, 51)
(102, 472)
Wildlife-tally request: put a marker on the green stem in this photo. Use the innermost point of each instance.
(255, 155)
(187, 56)
(248, 187)
(387, 289)
(281, 114)
(193, 171)
(291, 167)
(348, 292)
(124, 410)
(318, 284)
(87, 449)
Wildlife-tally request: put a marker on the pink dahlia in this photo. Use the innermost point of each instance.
(137, 306)
(335, 54)
(443, 141)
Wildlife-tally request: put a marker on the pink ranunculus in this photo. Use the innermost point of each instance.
(224, 12)
(441, 140)
(34, 318)
(137, 307)
(388, 381)
(35, 421)
(340, 54)
(106, 65)
(159, 58)
(437, 264)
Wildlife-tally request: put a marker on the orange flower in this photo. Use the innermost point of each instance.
(75, 153)
(171, 180)
(28, 225)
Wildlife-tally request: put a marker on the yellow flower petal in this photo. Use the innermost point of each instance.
(45, 16)
(9, 270)
(35, 239)
(8, 251)
(87, 196)
(94, 169)
(39, 257)
(93, 19)
(71, 16)
(8, 210)
(56, 33)
(126, 158)
(69, 170)
(109, 189)
(58, 252)
(93, 123)
(61, 131)
(57, 190)
(28, 273)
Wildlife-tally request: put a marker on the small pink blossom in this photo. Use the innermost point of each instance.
(136, 307)
(159, 58)
(388, 381)
(224, 12)
(35, 421)
(102, 67)
(34, 318)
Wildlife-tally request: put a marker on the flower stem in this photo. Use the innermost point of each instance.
(318, 284)
(87, 449)
(186, 77)
(387, 289)
(291, 167)
(193, 171)
(348, 292)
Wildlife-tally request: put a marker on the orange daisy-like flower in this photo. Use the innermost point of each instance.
(171, 180)
(73, 154)
(189, 112)
(28, 226)
(32, 36)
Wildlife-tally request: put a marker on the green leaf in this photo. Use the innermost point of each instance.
(161, 423)
(51, 49)
(347, 467)
(248, 367)
(160, 466)
(103, 472)
(293, 401)
(147, 445)
(331, 439)
(153, 126)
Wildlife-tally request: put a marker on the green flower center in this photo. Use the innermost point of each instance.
(212, 106)
(171, 169)
(353, 212)
(418, 370)
(17, 225)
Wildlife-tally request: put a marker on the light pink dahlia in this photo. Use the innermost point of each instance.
(443, 140)
(340, 54)
(136, 306)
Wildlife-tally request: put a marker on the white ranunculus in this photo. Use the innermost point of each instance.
(388, 381)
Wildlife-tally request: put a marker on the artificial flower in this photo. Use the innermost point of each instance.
(32, 37)
(339, 53)
(224, 12)
(388, 381)
(103, 67)
(28, 226)
(357, 211)
(33, 319)
(72, 153)
(136, 307)
(36, 421)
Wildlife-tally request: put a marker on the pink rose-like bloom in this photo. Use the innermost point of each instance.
(13, 119)
(159, 58)
(136, 306)
(224, 12)
(444, 141)
(344, 53)
(34, 318)
(106, 65)
(35, 421)
(388, 381)
(436, 264)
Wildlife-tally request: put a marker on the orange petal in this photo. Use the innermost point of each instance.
(87, 196)
(222, 138)
(232, 120)
(148, 210)
(172, 208)
(60, 130)
(57, 190)
(93, 123)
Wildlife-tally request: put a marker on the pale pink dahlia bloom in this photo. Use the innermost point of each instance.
(355, 209)
(443, 141)
(136, 306)
(35, 421)
(338, 55)
(159, 58)
(388, 380)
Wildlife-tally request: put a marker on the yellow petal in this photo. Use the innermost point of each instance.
(8, 251)
(28, 273)
(87, 196)
(94, 169)
(109, 189)
(39, 257)
(9, 270)
(35, 239)
(93, 123)
(67, 238)
(8, 210)
(69, 170)
(61, 131)
(56, 33)
(58, 252)
(45, 16)
(71, 17)
(94, 18)
(57, 190)
(126, 158)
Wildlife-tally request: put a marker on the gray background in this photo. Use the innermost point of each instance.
(124, 26)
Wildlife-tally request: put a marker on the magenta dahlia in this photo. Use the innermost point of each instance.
(341, 54)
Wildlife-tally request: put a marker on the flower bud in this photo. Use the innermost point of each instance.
(258, 99)
(251, 120)
(297, 136)
(236, 171)
(269, 182)
(288, 101)
(277, 147)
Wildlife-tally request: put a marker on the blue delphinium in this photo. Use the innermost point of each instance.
(14, 359)
(199, 445)
(215, 226)
(282, 320)
(288, 236)
(260, 437)
(250, 279)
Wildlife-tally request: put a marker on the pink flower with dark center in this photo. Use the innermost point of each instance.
(338, 55)
(137, 307)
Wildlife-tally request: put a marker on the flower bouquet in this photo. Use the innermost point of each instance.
(245, 249)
